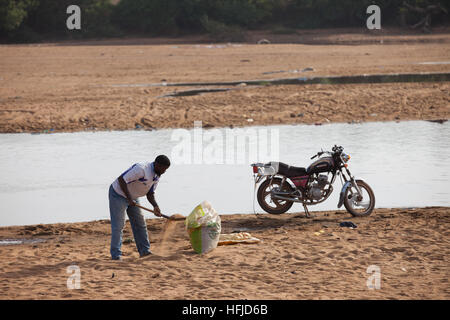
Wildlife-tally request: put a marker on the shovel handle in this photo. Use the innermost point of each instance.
(163, 215)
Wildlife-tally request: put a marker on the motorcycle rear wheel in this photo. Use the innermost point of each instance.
(273, 206)
(351, 202)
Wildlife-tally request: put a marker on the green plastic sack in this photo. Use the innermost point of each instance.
(203, 226)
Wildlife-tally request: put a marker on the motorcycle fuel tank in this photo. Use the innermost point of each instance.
(321, 165)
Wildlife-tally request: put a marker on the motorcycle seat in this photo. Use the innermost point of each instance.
(291, 171)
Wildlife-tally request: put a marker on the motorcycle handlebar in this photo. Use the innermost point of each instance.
(317, 155)
(335, 149)
(327, 152)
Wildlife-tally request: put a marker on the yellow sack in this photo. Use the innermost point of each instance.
(203, 226)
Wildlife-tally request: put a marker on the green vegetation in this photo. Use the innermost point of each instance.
(224, 20)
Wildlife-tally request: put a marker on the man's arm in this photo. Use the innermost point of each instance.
(151, 199)
(123, 186)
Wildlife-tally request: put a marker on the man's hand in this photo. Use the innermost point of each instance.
(157, 211)
(151, 199)
(131, 202)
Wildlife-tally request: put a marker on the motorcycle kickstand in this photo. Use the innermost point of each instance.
(306, 211)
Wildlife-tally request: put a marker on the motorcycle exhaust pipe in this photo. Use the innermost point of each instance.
(275, 196)
(281, 193)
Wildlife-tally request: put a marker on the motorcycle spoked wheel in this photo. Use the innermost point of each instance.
(359, 207)
(273, 206)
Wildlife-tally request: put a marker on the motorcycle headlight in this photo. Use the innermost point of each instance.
(345, 157)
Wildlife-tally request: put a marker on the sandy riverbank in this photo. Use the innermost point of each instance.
(101, 85)
(410, 246)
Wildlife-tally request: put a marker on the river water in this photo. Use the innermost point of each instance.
(64, 177)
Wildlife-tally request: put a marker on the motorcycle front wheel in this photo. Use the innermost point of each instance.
(356, 205)
(273, 206)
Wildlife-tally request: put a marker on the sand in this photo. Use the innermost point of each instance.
(66, 87)
(168, 233)
(410, 246)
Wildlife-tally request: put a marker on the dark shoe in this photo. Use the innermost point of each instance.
(146, 254)
(348, 224)
(117, 258)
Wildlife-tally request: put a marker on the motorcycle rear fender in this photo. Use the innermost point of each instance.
(288, 181)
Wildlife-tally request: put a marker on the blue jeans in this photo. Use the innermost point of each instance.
(117, 207)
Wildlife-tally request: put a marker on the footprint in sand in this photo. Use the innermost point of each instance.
(413, 259)
(287, 256)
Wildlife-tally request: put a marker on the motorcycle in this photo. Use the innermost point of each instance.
(282, 184)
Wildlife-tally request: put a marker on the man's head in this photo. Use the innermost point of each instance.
(161, 164)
